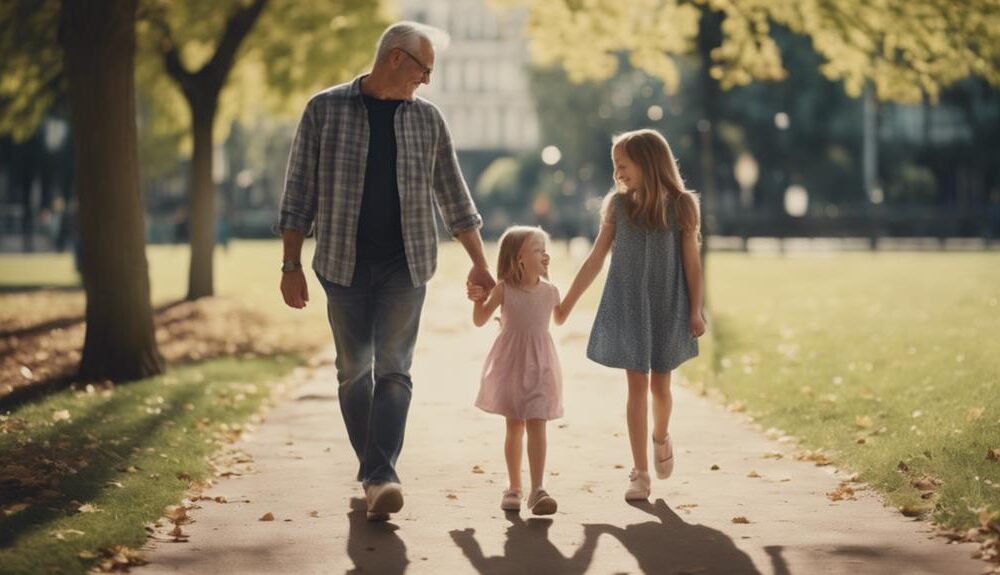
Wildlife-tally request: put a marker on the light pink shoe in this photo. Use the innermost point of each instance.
(638, 486)
(663, 457)
(511, 500)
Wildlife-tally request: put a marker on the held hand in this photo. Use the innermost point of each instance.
(482, 277)
(697, 324)
(474, 292)
(294, 289)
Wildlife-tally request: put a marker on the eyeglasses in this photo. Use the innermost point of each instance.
(426, 70)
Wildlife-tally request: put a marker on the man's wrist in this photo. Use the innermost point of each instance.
(291, 266)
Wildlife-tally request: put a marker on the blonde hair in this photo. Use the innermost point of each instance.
(511, 242)
(662, 188)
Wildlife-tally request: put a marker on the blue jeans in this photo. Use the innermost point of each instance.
(375, 323)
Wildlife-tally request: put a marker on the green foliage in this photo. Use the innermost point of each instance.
(30, 65)
(906, 50)
(294, 49)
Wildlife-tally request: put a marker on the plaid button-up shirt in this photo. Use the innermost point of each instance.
(324, 183)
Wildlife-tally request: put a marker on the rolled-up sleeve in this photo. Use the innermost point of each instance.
(453, 198)
(298, 200)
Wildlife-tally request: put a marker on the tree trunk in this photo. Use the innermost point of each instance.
(98, 38)
(201, 89)
(709, 38)
(202, 196)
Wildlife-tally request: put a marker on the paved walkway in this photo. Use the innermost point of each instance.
(453, 471)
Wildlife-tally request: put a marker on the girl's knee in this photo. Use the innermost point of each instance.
(536, 426)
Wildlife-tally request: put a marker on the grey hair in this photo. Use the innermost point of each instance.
(407, 35)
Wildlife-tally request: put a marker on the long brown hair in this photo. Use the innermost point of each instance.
(511, 243)
(662, 188)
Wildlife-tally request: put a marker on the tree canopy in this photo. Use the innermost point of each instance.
(905, 50)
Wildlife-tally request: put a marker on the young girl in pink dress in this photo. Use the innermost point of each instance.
(521, 378)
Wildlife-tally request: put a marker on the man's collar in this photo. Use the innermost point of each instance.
(355, 90)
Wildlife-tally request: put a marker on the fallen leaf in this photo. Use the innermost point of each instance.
(816, 457)
(87, 555)
(753, 474)
(267, 517)
(773, 455)
(842, 492)
(993, 454)
(927, 483)
(714, 467)
(902, 466)
(911, 510)
(61, 415)
(314, 514)
(477, 469)
(16, 508)
(113, 484)
(177, 514)
(62, 534)
(740, 519)
(88, 508)
(452, 496)
(863, 421)
(974, 414)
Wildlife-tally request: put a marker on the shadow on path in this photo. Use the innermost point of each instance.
(672, 546)
(527, 549)
(373, 546)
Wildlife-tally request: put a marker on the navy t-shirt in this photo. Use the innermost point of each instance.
(380, 229)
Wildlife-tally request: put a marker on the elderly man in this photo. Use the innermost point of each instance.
(366, 166)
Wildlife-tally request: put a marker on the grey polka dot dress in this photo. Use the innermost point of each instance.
(642, 321)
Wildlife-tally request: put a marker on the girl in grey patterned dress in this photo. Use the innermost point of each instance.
(650, 313)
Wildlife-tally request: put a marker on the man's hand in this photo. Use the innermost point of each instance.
(481, 277)
(294, 289)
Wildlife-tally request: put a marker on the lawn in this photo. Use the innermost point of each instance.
(888, 361)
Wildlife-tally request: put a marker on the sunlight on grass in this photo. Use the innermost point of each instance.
(883, 358)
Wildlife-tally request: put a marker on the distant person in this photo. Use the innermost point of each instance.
(522, 379)
(651, 311)
(368, 164)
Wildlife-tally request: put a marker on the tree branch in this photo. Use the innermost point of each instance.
(237, 28)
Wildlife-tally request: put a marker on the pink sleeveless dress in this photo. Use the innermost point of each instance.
(521, 377)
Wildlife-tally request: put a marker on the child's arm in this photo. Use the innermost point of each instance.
(588, 271)
(691, 260)
(482, 309)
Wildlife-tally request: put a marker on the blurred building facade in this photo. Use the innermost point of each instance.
(480, 82)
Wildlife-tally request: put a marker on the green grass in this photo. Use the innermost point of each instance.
(881, 358)
(247, 273)
(150, 437)
(65, 464)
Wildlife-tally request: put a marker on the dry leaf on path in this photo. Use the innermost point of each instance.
(753, 474)
(477, 469)
(16, 508)
(267, 517)
(740, 519)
